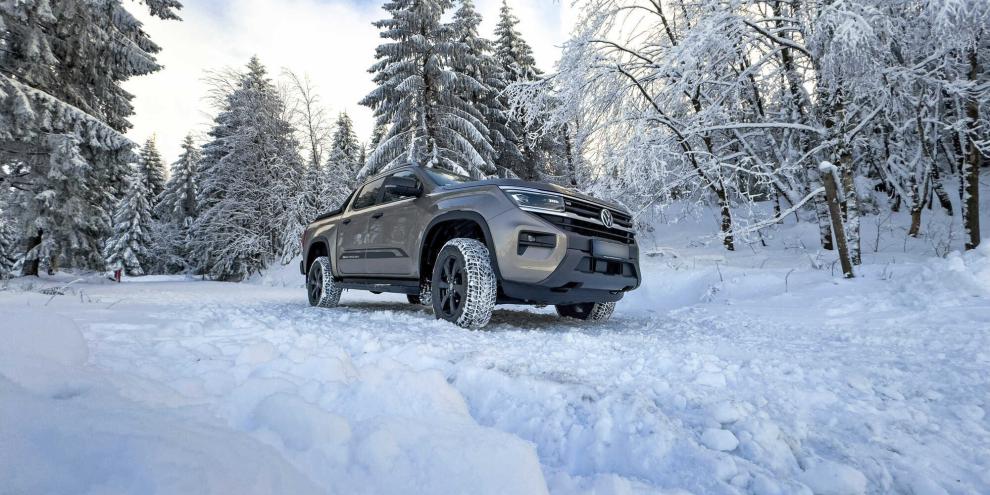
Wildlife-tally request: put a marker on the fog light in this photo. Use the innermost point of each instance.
(536, 239)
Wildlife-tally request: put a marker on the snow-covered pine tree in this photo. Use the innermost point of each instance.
(61, 124)
(127, 248)
(480, 64)
(421, 97)
(345, 151)
(178, 200)
(539, 154)
(152, 169)
(175, 212)
(251, 193)
(511, 50)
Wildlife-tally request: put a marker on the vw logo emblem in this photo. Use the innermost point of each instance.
(607, 218)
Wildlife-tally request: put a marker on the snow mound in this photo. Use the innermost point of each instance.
(833, 478)
(279, 275)
(42, 336)
(64, 428)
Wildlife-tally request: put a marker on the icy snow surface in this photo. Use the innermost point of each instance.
(721, 375)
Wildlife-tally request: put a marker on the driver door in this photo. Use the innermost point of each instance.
(352, 237)
(394, 230)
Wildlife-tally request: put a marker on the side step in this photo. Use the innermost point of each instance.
(400, 286)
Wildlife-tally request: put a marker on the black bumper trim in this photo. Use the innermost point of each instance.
(579, 278)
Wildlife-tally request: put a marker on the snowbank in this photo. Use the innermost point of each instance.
(65, 429)
(318, 422)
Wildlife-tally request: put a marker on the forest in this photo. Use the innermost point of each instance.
(705, 104)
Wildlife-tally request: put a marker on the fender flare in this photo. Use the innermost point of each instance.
(463, 215)
(318, 240)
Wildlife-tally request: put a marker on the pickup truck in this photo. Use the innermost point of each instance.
(462, 246)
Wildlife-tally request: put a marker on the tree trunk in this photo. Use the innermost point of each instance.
(851, 206)
(943, 197)
(824, 227)
(971, 168)
(919, 195)
(835, 212)
(726, 221)
(569, 151)
(31, 266)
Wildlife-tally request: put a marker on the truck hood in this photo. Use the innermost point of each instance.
(534, 185)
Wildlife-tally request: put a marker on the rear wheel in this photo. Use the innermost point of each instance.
(463, 284)
(322, 290)
(587, 311)
(425, 296)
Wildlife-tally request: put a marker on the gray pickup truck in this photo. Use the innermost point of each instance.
(463, 245)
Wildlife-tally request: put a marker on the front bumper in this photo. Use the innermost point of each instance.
(580, 275)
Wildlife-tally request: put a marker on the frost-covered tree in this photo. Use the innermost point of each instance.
(511, 50)
(152, 169)
(421, 96)
(175, 212)
(313, 127)
(128, 247)
(479, 63)
(737, 103)
(63, 113)
(178, 200)
(250, 195)
(345, 151)
(540, 151)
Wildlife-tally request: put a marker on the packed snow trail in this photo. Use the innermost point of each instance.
(711, 379)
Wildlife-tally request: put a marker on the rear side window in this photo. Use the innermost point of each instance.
(368, 194)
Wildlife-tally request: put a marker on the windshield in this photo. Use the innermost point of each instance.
(444, 178)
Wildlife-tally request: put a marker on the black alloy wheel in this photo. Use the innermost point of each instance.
(314, 283)
(452, 284)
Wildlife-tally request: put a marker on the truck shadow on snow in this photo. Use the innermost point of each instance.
(505, 318)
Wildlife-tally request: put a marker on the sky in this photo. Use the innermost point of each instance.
(331, 41)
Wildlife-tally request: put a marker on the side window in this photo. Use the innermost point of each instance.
(368, 194)
(389, 197)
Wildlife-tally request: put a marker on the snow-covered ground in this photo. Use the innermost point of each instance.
(759, 371)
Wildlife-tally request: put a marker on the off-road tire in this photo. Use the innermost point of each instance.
(425, 296)
(587, 311)
(463, 285)
(322, 290)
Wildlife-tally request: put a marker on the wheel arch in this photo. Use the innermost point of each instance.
(319, 247)
(448, 226)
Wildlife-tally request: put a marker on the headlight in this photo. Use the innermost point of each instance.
(542, 201)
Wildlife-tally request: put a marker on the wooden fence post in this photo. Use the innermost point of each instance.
(828, 173)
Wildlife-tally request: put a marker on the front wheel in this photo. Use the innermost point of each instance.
(463, 285)
(322, 290)
(587, 311)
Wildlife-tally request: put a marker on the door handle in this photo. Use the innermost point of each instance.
(345, 221)
(377, 215)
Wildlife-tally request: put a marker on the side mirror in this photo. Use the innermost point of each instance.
(404, 187)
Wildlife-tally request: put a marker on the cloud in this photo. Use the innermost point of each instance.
(332, 41)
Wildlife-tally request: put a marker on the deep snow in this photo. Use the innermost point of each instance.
(759, 371)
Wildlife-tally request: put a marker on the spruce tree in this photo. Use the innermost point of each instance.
(127, 248)
(420, 95)
(511, 50)
(152, 169)
(178, 199)
(345, 150)
(480, 64)
(175, 212)
(63, 114)
(250, 201)
(535, 156)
